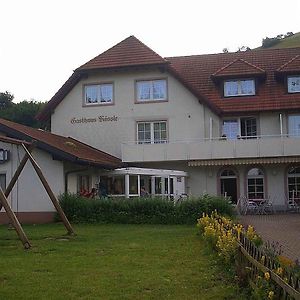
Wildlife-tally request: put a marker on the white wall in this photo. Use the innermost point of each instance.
(184, 113)
(28, 194)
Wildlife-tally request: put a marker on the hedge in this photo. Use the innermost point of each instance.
(156, 210)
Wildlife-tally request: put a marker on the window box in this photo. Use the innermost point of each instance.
(151, 90)
(98, 94)
(234, 88)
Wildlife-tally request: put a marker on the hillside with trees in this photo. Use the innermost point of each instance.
(287, 40)
(23, 112)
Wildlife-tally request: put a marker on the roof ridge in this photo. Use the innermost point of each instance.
(112, 47)
(252, 65)
(287, 63)
(131, 37)
(233, 62)
(233, 53)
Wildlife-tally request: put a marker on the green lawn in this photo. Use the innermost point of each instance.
(111, 262)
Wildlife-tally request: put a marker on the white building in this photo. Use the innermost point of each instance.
(231, 121)
(58, 157)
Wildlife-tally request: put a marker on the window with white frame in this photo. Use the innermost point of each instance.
(243, 87)
(255, 184)
(152, 132)
(98, 94)
(151, 90)
(239, 127)
(293, 83)
(294, 125)
(294, 183)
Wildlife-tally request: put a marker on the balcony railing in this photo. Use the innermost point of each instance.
(216, 148)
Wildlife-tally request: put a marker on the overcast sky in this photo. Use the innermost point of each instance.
(43, 41)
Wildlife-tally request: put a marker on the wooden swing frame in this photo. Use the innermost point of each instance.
(11, 215)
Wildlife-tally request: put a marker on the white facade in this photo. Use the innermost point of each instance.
(28, 194)
(184, 114)
(193, 133)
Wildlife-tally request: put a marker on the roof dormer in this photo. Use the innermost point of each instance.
(239, 68)
(238, 78)
(289, 73)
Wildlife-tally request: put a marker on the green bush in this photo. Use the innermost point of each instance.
(156, 210)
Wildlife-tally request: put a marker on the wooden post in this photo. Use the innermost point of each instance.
(49, 192)
(18, 172)
(14, 221)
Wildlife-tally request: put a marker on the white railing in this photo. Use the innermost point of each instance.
(215, 148)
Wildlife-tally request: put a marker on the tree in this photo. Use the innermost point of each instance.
(269, 42)
(6, 99)
(23, 112)
(243, 49)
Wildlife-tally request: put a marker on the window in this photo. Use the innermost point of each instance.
(293, 83)
(255, 178)
(112, 185)
(294, 183)
(294, 125)
(240, 127)
(83, 183)
(98, 94)
(3, 182)
(152, 132)
(244, 87)
(151, 90)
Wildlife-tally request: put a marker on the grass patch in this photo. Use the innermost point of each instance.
(111, 262)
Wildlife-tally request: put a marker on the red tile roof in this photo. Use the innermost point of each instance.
(61, 147)
(195, 73)
(292, 65)
(129, 52)
(9, 140)
(238, 67)
(271, 94)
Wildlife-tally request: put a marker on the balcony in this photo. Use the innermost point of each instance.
(217, 148)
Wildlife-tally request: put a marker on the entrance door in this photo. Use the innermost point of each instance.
(229, 185)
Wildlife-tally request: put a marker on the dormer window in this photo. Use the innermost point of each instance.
(293, 83)
(242, 87)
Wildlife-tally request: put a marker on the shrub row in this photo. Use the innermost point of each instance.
(146, 210)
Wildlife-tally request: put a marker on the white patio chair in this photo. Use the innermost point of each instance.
(251, 207)
(292, 205)
(266, 207)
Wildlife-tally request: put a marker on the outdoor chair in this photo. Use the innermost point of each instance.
(266, 206)
(251, 207)
(245, 206)
(292, 205)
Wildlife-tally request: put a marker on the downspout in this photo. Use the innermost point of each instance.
(280, 122)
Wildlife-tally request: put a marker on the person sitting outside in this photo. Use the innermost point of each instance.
(143, 192)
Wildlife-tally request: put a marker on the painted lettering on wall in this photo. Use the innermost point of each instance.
(99, 119)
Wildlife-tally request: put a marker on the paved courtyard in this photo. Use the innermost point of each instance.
(284, 228)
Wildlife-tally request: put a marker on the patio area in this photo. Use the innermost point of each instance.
(282, 228)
